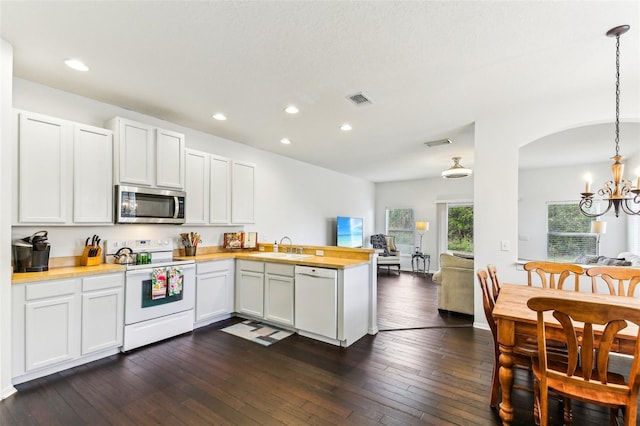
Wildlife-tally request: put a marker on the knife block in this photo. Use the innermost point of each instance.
(85, 260)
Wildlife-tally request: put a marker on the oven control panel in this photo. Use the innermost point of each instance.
(112, 246)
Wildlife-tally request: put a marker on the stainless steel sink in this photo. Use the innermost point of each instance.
(278, 255)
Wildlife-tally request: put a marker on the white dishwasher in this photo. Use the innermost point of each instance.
(316, 300)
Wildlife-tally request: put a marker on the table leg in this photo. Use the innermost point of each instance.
(506, 342)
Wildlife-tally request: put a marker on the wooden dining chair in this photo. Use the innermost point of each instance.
(522, 354)
(557, 273)
(621, 281)
(577, 378)
(493, 276)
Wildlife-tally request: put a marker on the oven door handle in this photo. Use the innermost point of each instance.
(147, 271)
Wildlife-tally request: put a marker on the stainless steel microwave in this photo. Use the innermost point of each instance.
(136, 204)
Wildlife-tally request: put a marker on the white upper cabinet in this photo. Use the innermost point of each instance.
(43, 163)
(197, 187)
(133, 152)
(242, 195)
(147, 156)
(214, 191)
(92, 175)
(220, 190)
(64, 172)
(169, 159)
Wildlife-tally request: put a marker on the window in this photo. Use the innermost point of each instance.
(568, 232)
(460, 228)
(401, 224)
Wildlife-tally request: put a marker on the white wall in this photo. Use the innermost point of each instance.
(421, 195)
(292, 198)
(561, 184)
(6, 75)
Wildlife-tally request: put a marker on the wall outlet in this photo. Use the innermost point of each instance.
(319, 252)
(505, 245)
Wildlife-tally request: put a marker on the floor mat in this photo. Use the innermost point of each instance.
(257, 332)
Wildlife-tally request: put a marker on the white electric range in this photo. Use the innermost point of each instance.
(154, 308)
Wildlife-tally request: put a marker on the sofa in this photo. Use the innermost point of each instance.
(388, 254)
(626, 258)
(455, 281)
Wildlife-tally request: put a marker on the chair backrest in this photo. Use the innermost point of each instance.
(487, 301)
(628, 279)
(493, 276)
(578, 378)
(557, 272)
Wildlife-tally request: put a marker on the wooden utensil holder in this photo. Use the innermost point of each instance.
(85, 260)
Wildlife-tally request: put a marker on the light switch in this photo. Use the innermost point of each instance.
(505, 245)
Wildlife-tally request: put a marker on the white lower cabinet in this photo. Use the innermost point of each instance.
(63, 323)
(102, 312)
(214, 291)
(265, 290)
(51, 324)
(250, 288)
(279, 286)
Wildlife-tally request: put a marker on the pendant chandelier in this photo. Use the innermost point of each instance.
(619, 193)
(456, 171)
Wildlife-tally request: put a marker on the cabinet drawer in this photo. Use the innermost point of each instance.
(215, 266)
(280, 269)
(250, 265)
(50, 289)
(102, 282)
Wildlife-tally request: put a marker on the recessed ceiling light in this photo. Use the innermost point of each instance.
(219, 116)
(76, 64)
(285, 141)
(346, 127)
(291, 109)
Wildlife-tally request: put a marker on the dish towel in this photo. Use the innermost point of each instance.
(175, 280)
(158, 283)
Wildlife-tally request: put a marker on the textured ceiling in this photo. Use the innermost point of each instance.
(430, 68)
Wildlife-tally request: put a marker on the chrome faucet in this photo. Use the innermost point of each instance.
(290, 243)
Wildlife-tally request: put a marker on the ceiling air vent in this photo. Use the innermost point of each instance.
(359, 99)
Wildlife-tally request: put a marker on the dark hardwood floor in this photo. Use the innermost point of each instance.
(404, 376)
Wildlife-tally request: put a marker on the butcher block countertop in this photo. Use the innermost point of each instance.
(65, 272)
(333, 258)
(319, 261)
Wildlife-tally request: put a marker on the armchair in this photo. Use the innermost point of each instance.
(388, 254)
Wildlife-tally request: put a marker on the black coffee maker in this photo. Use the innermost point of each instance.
(31, 254)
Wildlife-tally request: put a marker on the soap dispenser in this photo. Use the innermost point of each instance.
(275, 246)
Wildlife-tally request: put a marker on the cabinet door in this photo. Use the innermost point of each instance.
(169, 159)
(43, 161)
(197, 187)
(242, 192)
(212, 295)
(250, 293)
(52, 328)
(279, 299)
(220, 190)
(92, 175)
(135, 147)
(102, 319)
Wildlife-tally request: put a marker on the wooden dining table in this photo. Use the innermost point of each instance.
(515, 321)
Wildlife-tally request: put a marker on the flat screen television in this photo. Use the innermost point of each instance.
(349, 231)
